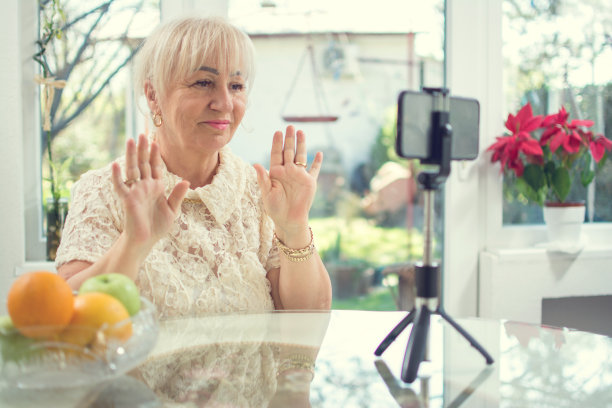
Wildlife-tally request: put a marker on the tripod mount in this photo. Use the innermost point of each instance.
(427, 272)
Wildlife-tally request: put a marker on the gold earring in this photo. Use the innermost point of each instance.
(157, 119)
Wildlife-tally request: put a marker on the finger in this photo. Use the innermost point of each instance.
(131, 161)
(156, 161)
(175, 199)
(276, 154)
(263, 179)
(301, 156)
(143, 157)
(316, 165)
(118, 183)
(289, 148)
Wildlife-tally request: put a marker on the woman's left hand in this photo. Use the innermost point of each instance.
(289, 188)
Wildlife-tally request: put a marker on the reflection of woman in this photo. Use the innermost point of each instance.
(197, 228)
(237, 360)
(233, 375)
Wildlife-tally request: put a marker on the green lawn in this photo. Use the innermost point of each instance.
(378, 299)
(359, 241)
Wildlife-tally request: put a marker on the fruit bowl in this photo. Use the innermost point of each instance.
(46, 364)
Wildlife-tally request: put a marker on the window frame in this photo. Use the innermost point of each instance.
(35, 241)
(500, 236)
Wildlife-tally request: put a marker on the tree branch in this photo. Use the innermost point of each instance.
(63, 123)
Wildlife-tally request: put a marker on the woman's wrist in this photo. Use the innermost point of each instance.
(129, 253)
(296, 254)
(294, 237)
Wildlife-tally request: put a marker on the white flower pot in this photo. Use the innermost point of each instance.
(564, 222)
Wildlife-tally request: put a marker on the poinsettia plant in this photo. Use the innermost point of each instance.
(546, 154)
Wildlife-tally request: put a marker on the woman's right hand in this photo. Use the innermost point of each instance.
(148, 213)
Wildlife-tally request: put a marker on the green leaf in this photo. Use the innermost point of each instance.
(601, 163)
(534, 176)
(586, 177)
(536, 196)
(561, 183)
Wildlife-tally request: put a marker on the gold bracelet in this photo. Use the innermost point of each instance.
(296, 361)
(296, 255)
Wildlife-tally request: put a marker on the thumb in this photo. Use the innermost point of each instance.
(175, 199)
(263, 179)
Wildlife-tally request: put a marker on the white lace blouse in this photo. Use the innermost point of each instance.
(213, 260)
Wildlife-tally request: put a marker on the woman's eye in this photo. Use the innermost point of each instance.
(204, 83)
(237, 87)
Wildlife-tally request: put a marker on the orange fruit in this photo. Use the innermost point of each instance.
(97, 314)
(40, 304)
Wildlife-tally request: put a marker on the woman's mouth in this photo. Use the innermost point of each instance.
(218, 124)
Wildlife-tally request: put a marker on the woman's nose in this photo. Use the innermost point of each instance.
(222, 100)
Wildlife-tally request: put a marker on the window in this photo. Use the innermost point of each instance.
(365, 216)
(94, 112)
(559, 53)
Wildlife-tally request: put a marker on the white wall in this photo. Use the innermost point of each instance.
(11, 155)
(474, 70)
(361, 102)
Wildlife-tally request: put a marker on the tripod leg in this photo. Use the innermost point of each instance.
(415, 350)
(467, 336)
(394, 333)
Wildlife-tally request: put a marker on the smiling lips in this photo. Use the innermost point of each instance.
(218, 124)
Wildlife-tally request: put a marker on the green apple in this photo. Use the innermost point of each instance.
(14, 346)
(117, 285)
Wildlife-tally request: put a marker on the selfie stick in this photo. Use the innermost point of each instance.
(427, 272)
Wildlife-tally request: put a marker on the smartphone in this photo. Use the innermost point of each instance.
(414, 117)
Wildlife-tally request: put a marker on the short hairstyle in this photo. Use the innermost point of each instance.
(178, 48)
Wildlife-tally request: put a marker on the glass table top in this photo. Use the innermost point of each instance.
(266, 360)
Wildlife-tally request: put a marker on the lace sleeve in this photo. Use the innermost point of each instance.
(273, 260)
(268, 253)
(94, 220)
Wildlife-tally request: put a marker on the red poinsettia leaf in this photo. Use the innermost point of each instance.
(557, 140)
(558, 118)
(597, 150)
(550, 120)
(572, 142)
(511, 123)
(524, 113)
(531, 147)
(547, 134)
(563, 115)
(604, 141)
(500, 143)
(517, 167)
(532, 124)
(577, 122)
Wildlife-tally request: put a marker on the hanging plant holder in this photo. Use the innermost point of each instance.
(303, 119)
(323, 115)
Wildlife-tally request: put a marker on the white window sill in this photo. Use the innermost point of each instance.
(35, 266)
(512, 283)
(538, 252)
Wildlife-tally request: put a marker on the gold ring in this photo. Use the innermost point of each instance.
(297, 163)
(130, 181)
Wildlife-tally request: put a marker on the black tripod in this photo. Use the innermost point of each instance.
(427, 272)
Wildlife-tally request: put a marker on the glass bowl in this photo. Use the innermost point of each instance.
(43, 364)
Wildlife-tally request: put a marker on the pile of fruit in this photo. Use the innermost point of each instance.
(44, 310)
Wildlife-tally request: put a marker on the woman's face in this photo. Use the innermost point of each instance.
(203, 111)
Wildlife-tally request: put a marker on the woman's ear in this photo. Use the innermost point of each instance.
(151, 96)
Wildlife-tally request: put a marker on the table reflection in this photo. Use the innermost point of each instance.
(312, 359)
(236, 361)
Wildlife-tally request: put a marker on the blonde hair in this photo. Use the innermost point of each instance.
(177, 49)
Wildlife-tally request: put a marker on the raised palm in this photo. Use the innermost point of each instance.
(288, 190)
(148, 213)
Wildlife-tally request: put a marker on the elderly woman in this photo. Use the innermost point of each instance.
(198, 229)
